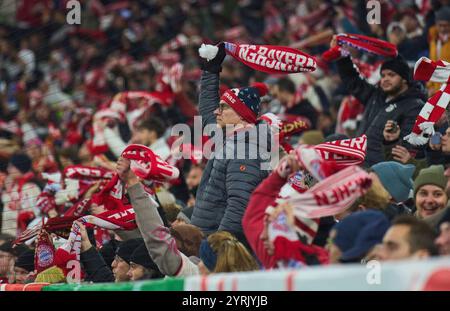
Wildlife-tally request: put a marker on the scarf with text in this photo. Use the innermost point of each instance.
(149, 166)
(361, 43)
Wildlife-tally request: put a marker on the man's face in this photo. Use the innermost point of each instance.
(443, 28)
(120, 268)
(445, 141)
(430, 199)
(193, 178)
(20, 275)
(443, 240)
(225, 115)
(143, 137)
(391, 83)
(395, 244)
(5, 262)
(136, 272)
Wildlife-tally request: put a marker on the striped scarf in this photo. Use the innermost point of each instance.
(434, 71)
(359, 42)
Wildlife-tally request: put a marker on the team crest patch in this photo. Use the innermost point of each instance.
(45, 255)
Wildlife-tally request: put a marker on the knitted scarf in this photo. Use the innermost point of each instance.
(345, 152)
(434, 71)
(332, 195)
(359, 42)
(148, 165)
(285, 129)
(266, 58)
(325, 159)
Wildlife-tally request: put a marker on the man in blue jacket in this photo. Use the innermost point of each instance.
(229, 178)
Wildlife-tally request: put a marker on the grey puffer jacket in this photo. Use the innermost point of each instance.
(227, 181)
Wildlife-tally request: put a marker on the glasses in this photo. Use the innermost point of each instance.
(223, 106)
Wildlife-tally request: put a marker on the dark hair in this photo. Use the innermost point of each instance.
(421, 235)
(287, 85)
(152, 124)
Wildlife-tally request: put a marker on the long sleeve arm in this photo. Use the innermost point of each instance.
(160, 244)
(253, 221)
(209, 97)
(354, 83)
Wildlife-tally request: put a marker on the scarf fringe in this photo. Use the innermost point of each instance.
(420, 139)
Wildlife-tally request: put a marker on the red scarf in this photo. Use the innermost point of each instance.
(87, 172)
(271, 59)
(44, 253)
(332, 195)
(434, 71)
(362, 43)
(345, 152)
(285, 129)
(148, 165)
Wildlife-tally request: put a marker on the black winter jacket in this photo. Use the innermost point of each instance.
(403, 109)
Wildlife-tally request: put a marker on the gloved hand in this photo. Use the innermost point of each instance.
(213, 65)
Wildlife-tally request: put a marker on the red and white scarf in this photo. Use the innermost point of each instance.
(285, 129)
(266, 58)
(362, 43)
(330, 196)
(345, 152)
(148, 165)
(325, 159)
(433, 71)
(87, 172)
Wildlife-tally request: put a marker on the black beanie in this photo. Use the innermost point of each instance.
(126, 248)
(108, 251)
(141, 257)
(26, 260)
(399, 66)
(21, 161)
(443, 14)
(7, 247)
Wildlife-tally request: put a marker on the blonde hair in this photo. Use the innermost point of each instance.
(51, 275)
(232, 255)
(376, 198)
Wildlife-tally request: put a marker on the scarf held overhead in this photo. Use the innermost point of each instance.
(430, 71)
(362, 43)
(266, 58)
(148, 165)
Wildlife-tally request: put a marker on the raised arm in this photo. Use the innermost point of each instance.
(209, 86)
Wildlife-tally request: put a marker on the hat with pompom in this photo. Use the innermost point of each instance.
(246, 101)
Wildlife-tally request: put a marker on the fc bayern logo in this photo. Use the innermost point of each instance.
(45, 255)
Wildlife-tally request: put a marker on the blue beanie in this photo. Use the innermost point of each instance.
(207, 255)
(396, 178)
(246, 101)
(357, 233)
